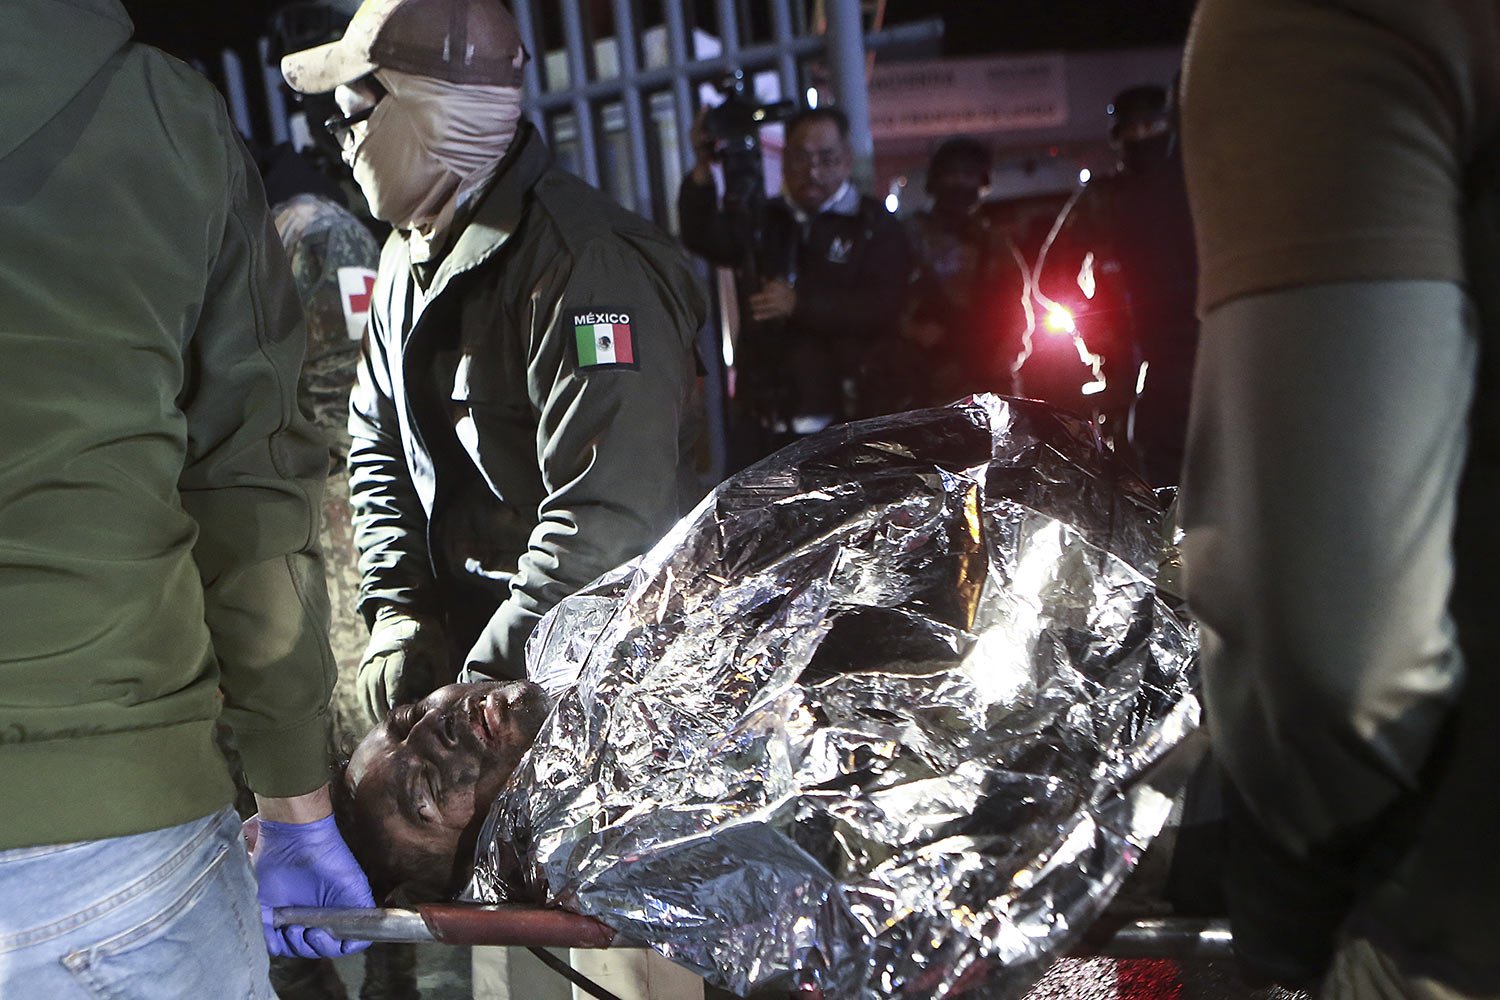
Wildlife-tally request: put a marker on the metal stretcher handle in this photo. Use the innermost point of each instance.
(1157, 937)
(542, 927)
(456, 923)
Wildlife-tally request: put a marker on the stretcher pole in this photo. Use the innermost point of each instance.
(456, 923)
(543, 927)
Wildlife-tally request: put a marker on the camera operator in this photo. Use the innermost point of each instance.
(822, 273)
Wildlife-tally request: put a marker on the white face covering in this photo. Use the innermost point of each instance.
(428, 145)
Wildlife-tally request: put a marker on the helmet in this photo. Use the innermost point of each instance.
(1138, 112)
(958, 153)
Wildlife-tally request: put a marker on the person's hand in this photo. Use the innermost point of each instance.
(924, 333)
(305, 862)
(703, 148)
(406, 655)
(775, 300)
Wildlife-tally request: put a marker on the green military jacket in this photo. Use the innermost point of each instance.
(525, 410)
(1344, 472)
(159, 491)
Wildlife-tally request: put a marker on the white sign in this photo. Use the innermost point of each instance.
(941, 97)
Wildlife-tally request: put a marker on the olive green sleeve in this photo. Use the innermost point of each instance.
(253, 480)
(608, 435)
(1338, 166)
(1319, 500)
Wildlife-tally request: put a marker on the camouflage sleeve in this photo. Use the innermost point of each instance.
(333, 259)
(254, 460)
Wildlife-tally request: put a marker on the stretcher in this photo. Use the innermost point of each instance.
(545, 927)
(1121, 932)
(539, 927)
(815, 688)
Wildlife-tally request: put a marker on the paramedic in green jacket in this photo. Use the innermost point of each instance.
(159, 499)
(522, 418)
(1343, 478)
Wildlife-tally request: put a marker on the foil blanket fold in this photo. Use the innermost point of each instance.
(873, 718)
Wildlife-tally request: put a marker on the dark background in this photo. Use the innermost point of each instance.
(194, 29)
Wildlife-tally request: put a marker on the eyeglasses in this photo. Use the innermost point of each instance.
(341, 127)
(823, 159)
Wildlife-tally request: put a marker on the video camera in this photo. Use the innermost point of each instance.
(734, 127)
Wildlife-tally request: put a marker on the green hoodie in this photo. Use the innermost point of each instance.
(158, 487)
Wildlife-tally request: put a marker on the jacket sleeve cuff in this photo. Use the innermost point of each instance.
(500, 652)
(285, 762)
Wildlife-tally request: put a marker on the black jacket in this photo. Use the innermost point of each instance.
(494, 468)
(850, 273)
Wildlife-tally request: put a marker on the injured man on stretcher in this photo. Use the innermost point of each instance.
(877, 717)
(416, 790)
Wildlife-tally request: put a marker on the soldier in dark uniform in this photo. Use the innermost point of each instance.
(1125, 263)
(952, 316)
(523, 417)
(824, 284)
(333, 261)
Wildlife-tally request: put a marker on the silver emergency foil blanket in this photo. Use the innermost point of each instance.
(872, 718)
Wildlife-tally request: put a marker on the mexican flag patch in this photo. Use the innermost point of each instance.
(604, 340)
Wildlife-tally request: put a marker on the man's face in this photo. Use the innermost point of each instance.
(817, 163)
(1140, 127)
(957, 189)
(423, 780)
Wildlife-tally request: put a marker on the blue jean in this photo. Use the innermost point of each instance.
(155, 916)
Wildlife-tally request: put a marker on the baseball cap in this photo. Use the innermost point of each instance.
(461, 41)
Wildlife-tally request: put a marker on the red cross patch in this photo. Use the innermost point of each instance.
(356, 287)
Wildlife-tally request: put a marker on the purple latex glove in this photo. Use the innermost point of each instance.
(307, 864)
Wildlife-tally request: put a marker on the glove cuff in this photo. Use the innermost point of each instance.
(300, 830)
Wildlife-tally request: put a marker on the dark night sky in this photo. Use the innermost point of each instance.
(978, 26)
(190, 28)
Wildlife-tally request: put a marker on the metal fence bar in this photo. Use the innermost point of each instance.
(683, 110)
(635, 115)
(786, 62)
(751, 57)
(729, 26)
(270, 78)
(234, 86)
(846, 57)
(677, 75)
(531, 75)
(583, 111)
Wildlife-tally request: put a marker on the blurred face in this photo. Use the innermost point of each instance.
(817, 163)
(957, 189)
(1138, 128)
(424, 779)
(388, 147)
